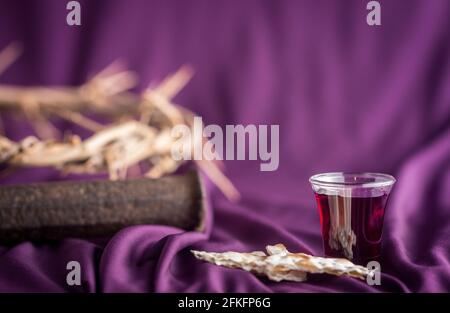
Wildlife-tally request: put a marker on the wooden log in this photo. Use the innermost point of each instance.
(56, 210)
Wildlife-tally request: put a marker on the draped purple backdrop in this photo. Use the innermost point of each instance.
(347, 97)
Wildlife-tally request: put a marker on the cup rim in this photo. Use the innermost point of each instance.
(381, 180)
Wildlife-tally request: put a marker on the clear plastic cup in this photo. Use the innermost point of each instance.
(351, 208)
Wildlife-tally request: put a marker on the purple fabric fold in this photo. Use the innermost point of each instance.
(347, 97)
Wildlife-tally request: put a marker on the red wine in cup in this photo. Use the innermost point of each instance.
(352, 225)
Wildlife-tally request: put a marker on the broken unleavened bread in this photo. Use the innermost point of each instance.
(280, 264)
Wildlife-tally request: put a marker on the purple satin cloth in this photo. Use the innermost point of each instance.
(347, 97)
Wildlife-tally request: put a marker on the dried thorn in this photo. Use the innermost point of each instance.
(118, 82)
(173, 84)
(114, 67)
(164, 105)
(219, 179)
(80, 119)
(9, 54)
(42, 126)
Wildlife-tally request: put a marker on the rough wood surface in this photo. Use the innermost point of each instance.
(56, 210)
